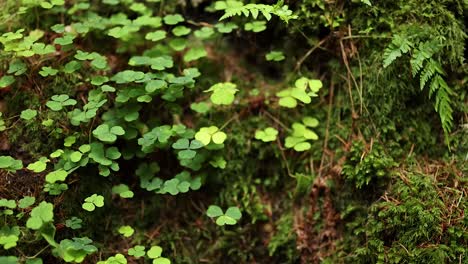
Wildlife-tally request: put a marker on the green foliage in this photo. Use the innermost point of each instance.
(92, 202)
(75, 250)
(280, 10)
(40, 215)
(230, 217)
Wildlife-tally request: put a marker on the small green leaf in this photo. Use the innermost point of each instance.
(154, 252)
(274, 56)
(173, 19)
(214, 211)
(222, 93)
(126, 231)
(28, 114)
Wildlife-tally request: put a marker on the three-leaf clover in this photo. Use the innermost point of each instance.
(201, 107)
(156, 35)
(10, 164)
(137, 251)
(255, 26)
(92, 202)
(301, 133)
(187, 148)
(9, 236)
(274, 56)
(26, 202)
(155, 253)
(6, 81)
(28, 114)
(48, 71)
(195, 54)
(232, 215)
(126, 231)
(57, 175)
(38, 166)
(41, 214)
(173, 19)
(106, 133)
(267, 135)
(210, 134)
(57, 102)
(123, 191)
(222, 93)
(73, 223)
(303, 91)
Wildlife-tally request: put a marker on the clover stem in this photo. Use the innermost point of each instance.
(229, 121)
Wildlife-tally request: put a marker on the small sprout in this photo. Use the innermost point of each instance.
(28, 114)
(232, 215)
(122, 190)
(137, 251)
(173, 19)
(41, 214)
(57, 102)
(155, 253)
(267, 135)
(223, 93)
(26, 202)
(73, 223)
(207, 134)
(38, 166)
(126, 231)
(92, 202)
(106, 133)
(195, 54)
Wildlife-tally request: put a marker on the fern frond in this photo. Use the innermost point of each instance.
(423, 52)
(443, 104)
(399, 46)
(432, 67)
(279, 10)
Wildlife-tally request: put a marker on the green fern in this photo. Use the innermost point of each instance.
(399, 46)
(429, 70)
(279, 10)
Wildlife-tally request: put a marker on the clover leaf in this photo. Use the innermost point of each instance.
(57, 102)
(10, 164)
(181, 31)
(9, 237)
(201, 107)
(38, 166)
(6, 81)
(226, 28)
(126, 231)
(26, 202)
(8, 203)
(156, 35)
(58, 175)
(255, 26)
(47, 71)
(178, 44)
(303, 91)
(274, 56)
(122, 190)
(17, 67)
(267, 135)
(173, 19)
(106, 133)
(232, 215)
(204, 33)
(300, 135)
(187, 148)
(210, 134)
(75, 250)
(222, 93)
(41, 214)
(137, 251)
(66, 39)
(73, 223)
(155, 253)
(92, 202)
(161, 134)
(117, 259)
(195, 54)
